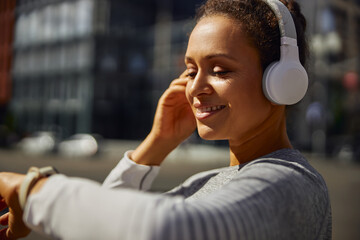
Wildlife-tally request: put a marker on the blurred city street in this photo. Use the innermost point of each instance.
(75, 73)
(343, 178)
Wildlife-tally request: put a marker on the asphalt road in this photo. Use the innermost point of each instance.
(343, 179)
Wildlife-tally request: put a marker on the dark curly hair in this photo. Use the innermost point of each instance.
(260, 24)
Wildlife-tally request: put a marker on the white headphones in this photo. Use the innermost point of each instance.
(285, 82)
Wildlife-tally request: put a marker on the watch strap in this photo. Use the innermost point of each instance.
(32, 176)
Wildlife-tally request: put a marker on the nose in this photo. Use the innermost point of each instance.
(199, 85)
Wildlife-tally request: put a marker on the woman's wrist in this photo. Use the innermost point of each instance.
(38, 185)
(153, 150)
(31, 180)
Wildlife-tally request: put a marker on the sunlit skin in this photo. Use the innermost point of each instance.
(219, 93)
(225, 74)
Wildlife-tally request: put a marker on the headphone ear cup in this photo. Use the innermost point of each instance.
(285, 82)
(265, 80)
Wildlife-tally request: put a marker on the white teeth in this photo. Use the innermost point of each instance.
(209, 109)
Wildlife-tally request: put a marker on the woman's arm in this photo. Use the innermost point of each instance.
(267, 200)
(174, 122)
(128, 174)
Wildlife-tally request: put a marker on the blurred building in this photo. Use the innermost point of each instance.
(334, 37)
(337, 24)
(100, 66)
(95, 66)
(7, 18)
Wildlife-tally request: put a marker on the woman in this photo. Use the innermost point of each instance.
(269, 191)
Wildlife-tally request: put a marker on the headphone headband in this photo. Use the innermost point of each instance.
(285, 20)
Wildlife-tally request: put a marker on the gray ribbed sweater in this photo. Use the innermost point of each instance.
(279, 196)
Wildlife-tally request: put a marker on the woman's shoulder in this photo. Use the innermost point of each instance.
(290, 160)
(288, 181)
(285, 155)
(284, 170)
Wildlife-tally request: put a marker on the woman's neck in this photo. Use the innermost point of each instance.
(267, 138)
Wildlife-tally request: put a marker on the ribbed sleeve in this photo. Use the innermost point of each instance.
(128, 174)
(266, 199)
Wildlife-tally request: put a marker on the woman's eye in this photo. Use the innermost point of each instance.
(191, 74)
(221, 73)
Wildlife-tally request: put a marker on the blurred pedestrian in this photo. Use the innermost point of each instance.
(269, 191)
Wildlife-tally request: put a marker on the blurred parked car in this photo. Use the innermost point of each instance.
(79, 145)
(38, 143)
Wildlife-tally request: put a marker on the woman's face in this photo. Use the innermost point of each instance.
(225, 81)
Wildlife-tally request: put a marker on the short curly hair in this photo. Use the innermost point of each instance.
(260, 24)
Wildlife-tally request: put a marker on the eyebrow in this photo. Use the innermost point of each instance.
(216, 55)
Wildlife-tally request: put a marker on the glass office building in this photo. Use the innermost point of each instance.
(95, 66)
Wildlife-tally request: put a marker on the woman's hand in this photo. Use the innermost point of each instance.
(174, 122)
(9, 188)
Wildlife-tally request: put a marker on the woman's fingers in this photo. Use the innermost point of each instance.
(3, 205)
(179, 81)
(3, 234)
(6, 234)
(4, 219)
(182, 80)
(184, 74)
(177, 89)
(174, 96)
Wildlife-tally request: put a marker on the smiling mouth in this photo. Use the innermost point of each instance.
(205, 112)
(209, 109)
